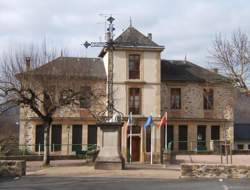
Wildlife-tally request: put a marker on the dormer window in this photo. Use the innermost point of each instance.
(134, 66)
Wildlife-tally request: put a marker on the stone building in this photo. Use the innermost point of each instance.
(199, 102)
(242, 121)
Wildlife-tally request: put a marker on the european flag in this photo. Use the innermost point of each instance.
(148, 122)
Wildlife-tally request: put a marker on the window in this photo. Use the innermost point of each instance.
(92, 134)
(76, 137)
(240, 146)
(39, 138)
(148, 139)
(183, 137)
(175, 98)
(134, 66)
(168, 137)
(56, 138)
(208, 99)
(248, 146)
(136, 129)
(85, 93)
(134, 100)
(215, 132)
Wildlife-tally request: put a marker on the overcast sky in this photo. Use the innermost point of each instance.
(184, 27)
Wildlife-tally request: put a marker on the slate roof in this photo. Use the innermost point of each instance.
(185, 71)
(132, 37)
(242, 132)
(87, 68)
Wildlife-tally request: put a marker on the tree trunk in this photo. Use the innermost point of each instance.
(46, 159)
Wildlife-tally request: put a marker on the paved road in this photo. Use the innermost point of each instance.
(82, 183)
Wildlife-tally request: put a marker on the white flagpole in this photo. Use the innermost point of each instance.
(130, 139)
(166, 131)
(152, 144)
(166, 137)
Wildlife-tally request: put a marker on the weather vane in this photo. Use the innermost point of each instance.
(109, 45)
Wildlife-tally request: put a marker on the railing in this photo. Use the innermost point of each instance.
(38, 149)
(215, 146)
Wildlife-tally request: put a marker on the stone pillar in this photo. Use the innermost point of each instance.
(66, 139)
(143, 141)
(157, 143)
(176, 137)
(208, 137)
(110, 157)
(192, 137)
(84, 134)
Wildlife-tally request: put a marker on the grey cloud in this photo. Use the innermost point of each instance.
(183, 26)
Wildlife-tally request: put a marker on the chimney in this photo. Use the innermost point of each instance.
(215, 70)
(28, 65)
(150, 36)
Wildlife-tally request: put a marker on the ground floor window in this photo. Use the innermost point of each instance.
(248, 146)
(183, 137)
(148, 139)
(39, 138)
(76, 137)
(168, 137)
(215, 132)
(92, 134)
(201, 137)
(56, 138)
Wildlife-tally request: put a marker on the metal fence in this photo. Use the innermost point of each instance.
(212, 146)
(55, 149)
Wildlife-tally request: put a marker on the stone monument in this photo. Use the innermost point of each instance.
(110, 157)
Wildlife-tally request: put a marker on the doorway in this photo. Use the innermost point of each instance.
(136, 143)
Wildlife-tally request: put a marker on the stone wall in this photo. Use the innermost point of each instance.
(66, 116)
(214, 171)
(192, 101)
(12, 168)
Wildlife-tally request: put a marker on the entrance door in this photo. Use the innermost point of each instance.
(183, 137)
(136, 143)
(92, 134)
(201, 138)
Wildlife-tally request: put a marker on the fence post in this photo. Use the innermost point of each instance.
(221, 160)
(39, 149)
(231, 153)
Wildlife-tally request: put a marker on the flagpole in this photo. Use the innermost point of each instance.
(166, 137)
(130, 139)
(152, 142)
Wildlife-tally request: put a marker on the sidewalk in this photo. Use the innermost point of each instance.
(134, 171)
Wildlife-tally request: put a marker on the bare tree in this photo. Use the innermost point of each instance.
(21, 84)
(232, 57)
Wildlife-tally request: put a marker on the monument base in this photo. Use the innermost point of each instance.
(109, 165)
(110, 157)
